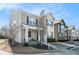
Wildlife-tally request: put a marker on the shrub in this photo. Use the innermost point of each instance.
(25, 44)
(76, 40)
(51, 40)
(33, 39)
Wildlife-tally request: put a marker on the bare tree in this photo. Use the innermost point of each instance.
(4, 31)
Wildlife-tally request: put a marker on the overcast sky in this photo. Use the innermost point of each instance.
(69, 12)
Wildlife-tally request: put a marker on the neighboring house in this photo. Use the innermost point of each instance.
(73, 34)
(60, 31)
(25, 27)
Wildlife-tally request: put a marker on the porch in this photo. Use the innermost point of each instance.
(31, 34)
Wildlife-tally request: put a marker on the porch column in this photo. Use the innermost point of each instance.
(59, 31)
(38, 35)
(45, 36)
(26, 35)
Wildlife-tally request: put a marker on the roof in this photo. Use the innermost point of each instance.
(59, 22)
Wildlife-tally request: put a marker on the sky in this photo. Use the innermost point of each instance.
(68, 11)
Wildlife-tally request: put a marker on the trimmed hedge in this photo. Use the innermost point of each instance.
(76, 40)
(25, 44)
(33, 39)
(63, 40)
(51, 40)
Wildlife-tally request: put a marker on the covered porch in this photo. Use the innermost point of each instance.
(34, 34)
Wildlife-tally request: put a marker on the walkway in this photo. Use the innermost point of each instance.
(70, 45)
(4, 53)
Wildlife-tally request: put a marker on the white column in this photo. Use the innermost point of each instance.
(45, 36)
(38, 35)
(26, 35)
(53, 31)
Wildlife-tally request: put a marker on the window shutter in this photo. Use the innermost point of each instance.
(27, 20)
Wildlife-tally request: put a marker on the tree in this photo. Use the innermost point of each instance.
(4, 31)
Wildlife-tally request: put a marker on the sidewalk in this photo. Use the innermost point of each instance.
(4, 53)
(70, 45)
(2, 40)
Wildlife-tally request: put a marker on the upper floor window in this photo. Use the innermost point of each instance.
(49, 23)
(31, 21)
(62, 27)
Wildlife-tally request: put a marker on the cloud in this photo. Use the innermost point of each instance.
(9, 6)
(56, 9)
(37, 8)
(33, 8)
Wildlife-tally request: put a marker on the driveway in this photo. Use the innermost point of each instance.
(63, 47)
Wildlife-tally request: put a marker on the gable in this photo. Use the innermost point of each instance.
(50, 16)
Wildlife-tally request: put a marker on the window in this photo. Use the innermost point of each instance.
(29, 33)
(49, 23)
(62, 27)
(32, 21)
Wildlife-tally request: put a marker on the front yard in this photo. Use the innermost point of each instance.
(19, 49)
(37, 49)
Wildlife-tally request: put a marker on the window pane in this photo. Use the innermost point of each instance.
(50, 23)
(32, 21)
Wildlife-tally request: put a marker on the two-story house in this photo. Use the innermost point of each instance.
(25, 27)
(73, 33)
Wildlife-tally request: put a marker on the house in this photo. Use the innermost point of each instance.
(73, 33)
(25, 27)
(60, 30)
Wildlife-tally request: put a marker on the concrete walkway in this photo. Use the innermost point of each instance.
(70, 45)
(4, 53)
(2, 40)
